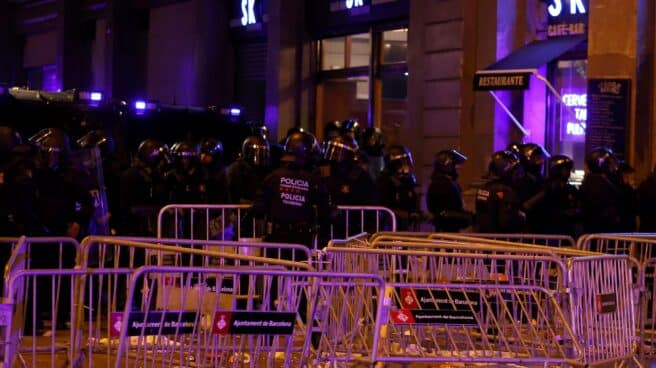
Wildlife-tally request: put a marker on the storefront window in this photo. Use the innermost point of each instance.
(346, 98)
(346, 90)
(395, 46)
(333, 53)
(346, 52)
(360, 49)
(571, 115)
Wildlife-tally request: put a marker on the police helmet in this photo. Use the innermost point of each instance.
(351, 127)
(447, 160)
(331, 130)
(560, 166)
(185, 149)
(602, 160)
(51, 140)
(97, 138)
(398, 160)
(504, 164)
(300, 146)
(212, 147)
(263, 131)
(9, 139)
(533, 154)
(341, 149)
(515, 148)
(256, 151)
(152, 152)
(372, 141)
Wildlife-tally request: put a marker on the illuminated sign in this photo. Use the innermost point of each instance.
(350, 4)
(489, 81)
(567, 17)
(575, 7)
(574, 116)
(248, 12)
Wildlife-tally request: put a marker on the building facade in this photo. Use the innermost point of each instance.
(432, 74)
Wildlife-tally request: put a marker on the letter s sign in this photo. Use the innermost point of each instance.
(248, 12)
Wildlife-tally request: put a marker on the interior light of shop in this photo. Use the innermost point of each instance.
(140, 105)
(96, 96)
(235, 111)
(406, 74)
(388, 45)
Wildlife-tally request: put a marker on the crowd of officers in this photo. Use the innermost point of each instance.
(48, 188)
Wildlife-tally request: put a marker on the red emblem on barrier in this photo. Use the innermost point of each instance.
(408, 299)
(402, 317)
(116, 323)
(221, 323)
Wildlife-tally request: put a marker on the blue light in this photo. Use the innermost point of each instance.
(235, 111)
(96, 96)
(140, 105)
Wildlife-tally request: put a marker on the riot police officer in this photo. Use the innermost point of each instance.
(373, 148)
(560, 205)
(351, 128)
(211, 155)
(143, 189)
(600, 197)
(187, 180)
(444, 198)
(396, 187)
(532, 157)
(498, 206)
(97, 149)
(64, 207)
(347, 183)
(292, 198)
(245, 175)
(331, 131)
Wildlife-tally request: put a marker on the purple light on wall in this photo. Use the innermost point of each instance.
(235, 111)
(96, 96)
(49, 81)
(140, 105)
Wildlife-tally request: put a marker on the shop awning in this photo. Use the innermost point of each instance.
(514, 71)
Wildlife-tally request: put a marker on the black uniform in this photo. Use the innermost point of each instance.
(559, 209)
(294, 202)
(187, 185)
(600, 204)
(243, 181)
(498, 208)
(444, 202)
(399, 195)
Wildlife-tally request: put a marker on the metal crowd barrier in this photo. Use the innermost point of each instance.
(284, 325)
(641, 246)
(93, 294)
(559, 241)
(290, 318)
(226, 222)
(475, 323)
(595, 292)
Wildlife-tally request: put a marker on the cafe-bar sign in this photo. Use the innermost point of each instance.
(567, 18)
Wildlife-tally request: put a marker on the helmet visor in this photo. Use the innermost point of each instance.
(257, 155)
(339, 152)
